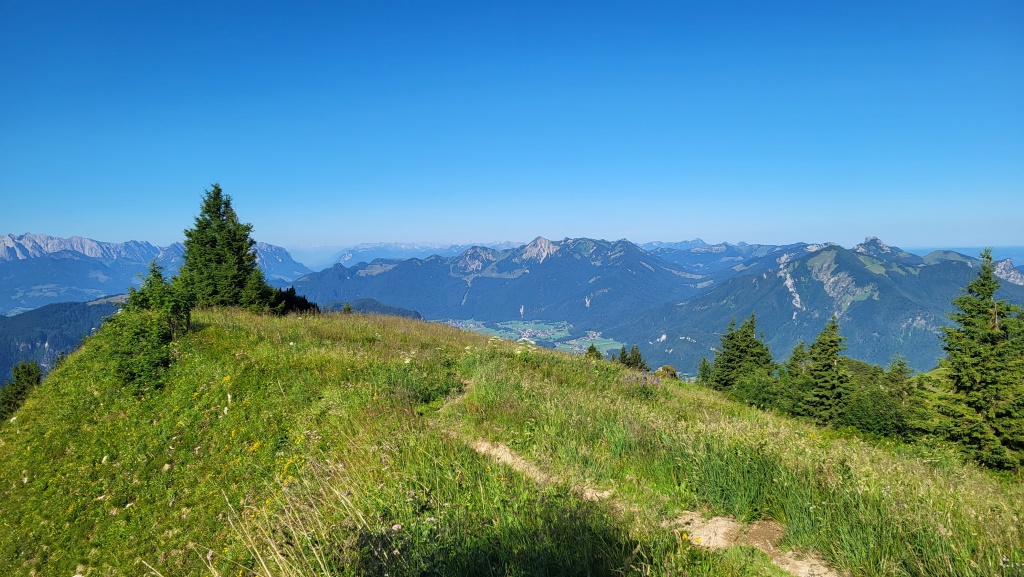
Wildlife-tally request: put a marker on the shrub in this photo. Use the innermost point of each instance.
(139, 344)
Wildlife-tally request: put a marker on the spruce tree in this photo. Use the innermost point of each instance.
(985, 360)
(157, 294)
(635, 360)
(704, 372)
(741, 352)
(828, 380)
(795, 381)
(219, 266)
(593, 353)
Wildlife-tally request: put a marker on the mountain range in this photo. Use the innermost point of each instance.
(675, 301)
(37, 269)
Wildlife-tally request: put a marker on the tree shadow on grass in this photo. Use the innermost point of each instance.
(562, 536)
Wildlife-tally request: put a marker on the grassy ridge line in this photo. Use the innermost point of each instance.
(671, 448)
(322, 452)
(97, 480)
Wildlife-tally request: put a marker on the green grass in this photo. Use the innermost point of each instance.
(342, 451)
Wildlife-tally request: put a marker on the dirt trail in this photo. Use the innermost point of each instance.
(714, 533)
(725, 532)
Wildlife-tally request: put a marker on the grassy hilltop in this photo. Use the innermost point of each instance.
(368, 445)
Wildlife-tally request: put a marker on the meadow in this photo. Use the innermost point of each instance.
(371, 445)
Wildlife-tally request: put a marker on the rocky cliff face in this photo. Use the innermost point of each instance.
(1005, 271)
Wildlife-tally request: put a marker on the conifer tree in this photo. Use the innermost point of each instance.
(26, 375)
(985, 360)
(741, 352)
(829, 382)
(635, 360)
(219, 266)
(795, 381)
(593, 353)
(157, 294)
(704, 372)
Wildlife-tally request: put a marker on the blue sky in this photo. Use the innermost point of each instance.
(348, 122)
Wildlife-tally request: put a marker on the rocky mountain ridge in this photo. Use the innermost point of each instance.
(675, 302)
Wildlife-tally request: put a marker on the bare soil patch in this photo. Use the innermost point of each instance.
(713, 533)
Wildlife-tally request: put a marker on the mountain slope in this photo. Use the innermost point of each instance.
(589, 283)
(888, 303)
(44, 333)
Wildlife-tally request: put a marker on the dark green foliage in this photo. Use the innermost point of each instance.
(827, 375)
(346, 309)
(286, 300)
(704, 372)
(636, 360)
(593, 353)
(139, 347)
(795, 382)
(741, 352)
(633, 359)
(156, 294)
(878, 402)
(985, 360)
(26, 375)
(219, 266)
(758, 388)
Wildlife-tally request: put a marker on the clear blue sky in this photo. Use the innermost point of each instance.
(346, 122)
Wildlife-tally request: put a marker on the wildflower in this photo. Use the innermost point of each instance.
(396, 527)
(227, 379)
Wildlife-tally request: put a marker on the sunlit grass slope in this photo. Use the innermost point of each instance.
(339, 445)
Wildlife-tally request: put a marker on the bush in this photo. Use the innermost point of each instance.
(139, 344)
(667, 372)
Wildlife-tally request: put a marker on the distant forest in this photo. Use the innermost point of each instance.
(43, 334)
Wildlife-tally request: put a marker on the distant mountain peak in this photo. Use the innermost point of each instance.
(874, 247)
(1005, 271)
(475, 259)
(539, 249)
(871, 245)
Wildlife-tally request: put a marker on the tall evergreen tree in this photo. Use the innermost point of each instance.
(795, 381)
(593, 353)
(219, 266)
(829, 382)
(985, 360)
(741, 352)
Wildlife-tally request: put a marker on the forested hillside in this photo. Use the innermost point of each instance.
(44, 334)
